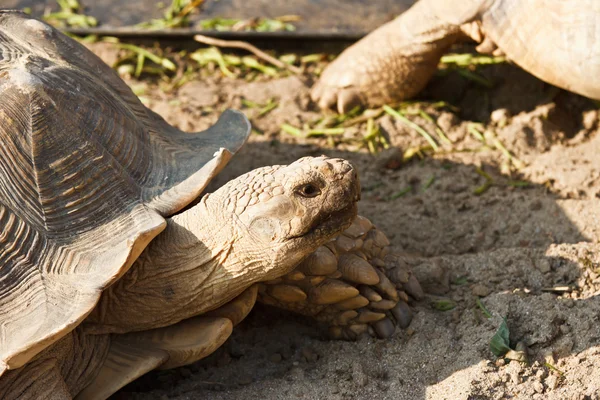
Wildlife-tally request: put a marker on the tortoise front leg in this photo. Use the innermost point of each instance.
(350, 284)
(391, 64)
(133, 354)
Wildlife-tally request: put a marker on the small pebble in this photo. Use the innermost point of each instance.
(535, 205)
(447, 120)
(549, 357)
(590, 119)
(538, 387)
(480, 290)
(309, 355)
(544, 266)
(297, 373)
(552, 382)
(358, 375)
(276, 357)
(569, 303)
(391, 158)
(500, 115)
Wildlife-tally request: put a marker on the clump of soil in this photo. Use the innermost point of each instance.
(522, 245)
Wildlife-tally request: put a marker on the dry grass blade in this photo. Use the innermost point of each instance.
(416, 127)
(70, 16)
(468, 59)
(325, 132)
(401, 193)
(292, 130)
(189, 7)
(373, 138)
(429, 182)
(175, 16)
(475, 132)
(489, 182)
(438, 130)
(238, 44)
(270, 106)
(483, 309)
(277, 24)
(413, 152)
(213, 54)
(509, 156)
(553, 368)
(164, 62)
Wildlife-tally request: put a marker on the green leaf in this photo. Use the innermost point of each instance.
(292, 130)
(461, 280)
(500, 344)
(401, 193)
(484, 310)
(444, 305)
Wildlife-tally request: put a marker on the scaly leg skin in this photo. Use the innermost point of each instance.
(60, 371)
(351, 284)
(43, 380)
(392, 63)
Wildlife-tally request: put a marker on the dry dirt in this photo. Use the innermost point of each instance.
(528, 252)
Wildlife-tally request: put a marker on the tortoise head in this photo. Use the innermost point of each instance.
(281, 214)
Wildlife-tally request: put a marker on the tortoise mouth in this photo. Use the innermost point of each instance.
(335, 222)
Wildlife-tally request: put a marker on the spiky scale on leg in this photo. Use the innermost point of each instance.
(357, 289)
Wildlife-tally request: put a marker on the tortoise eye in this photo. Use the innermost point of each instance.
(308, 190)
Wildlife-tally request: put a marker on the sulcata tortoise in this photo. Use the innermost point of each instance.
(111, 262)
(558, 41)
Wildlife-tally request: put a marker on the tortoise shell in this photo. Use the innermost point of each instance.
(87, 175)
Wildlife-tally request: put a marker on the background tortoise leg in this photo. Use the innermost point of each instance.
(40, 379)
(391, 64)
(350, 284)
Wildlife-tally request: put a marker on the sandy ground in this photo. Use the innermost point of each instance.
(527, 247)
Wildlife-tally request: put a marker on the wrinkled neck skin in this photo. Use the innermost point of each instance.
(202, 260)
(256, 227)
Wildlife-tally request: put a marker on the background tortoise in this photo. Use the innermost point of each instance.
(556, 40)
(88, 300)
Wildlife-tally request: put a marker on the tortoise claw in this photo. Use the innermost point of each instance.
(347, 99)
(327, 98)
